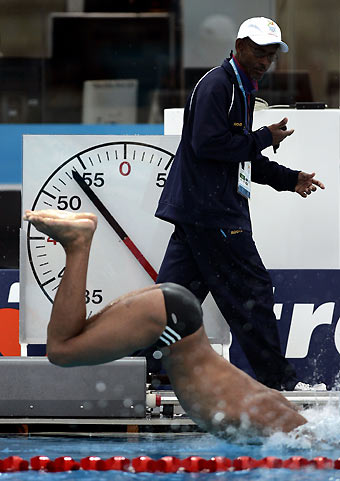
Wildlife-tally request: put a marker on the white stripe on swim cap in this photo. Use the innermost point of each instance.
(171, 336)
(165, 340)
(167, 335)
(174, 333)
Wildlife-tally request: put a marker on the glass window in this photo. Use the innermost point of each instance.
(86, 61)
(310, 70)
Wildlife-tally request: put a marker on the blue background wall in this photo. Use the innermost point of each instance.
(11, 140)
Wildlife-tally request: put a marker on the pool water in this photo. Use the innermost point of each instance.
(323, 439)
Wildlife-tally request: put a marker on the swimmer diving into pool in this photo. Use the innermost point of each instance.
(213, 392)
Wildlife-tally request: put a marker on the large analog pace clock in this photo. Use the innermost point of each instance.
(118, 178)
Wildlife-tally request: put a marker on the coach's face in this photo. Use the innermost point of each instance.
(255, 59)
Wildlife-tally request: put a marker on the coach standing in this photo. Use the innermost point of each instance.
(206, 198)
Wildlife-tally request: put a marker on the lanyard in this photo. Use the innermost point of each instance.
(232, 63)
(244, 170)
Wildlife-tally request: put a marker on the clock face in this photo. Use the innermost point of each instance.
(120, 181)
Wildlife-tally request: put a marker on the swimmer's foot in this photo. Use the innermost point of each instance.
(68, 228)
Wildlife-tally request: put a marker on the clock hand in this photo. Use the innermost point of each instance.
(115, 226)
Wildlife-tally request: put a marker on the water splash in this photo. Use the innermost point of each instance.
(322, 431)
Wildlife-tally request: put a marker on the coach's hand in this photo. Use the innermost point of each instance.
(278, 131)
(306, 184)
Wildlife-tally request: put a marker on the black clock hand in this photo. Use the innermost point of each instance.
(114, 224)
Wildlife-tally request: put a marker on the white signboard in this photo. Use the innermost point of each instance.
(292, 232)
(110, 101)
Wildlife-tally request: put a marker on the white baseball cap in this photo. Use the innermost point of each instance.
(262, 31)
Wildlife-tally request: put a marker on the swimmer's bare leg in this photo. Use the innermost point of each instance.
(131, 323)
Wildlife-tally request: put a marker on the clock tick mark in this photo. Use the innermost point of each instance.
(46, 203)
(62, 181)
(116, 154)
(169, 163)
(49, 194)
(48, 282)
(68, 175)
(81, 162)
(47, 272)
(151, 158)
(143, 156)
(107, 155)
(56, 188)
(91, 161)
(100, 160)
(159, 163)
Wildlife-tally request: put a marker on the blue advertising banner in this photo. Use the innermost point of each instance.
(9, 288)
(307, 307)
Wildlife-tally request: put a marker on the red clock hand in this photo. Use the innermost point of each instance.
(115, 226)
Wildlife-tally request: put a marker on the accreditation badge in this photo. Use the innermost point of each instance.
(244, 179)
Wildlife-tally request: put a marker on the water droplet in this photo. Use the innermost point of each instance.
(218, 417)
(127, 402)
(101, 386)
(157, 355)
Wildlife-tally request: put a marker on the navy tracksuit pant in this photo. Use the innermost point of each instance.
(227, 264)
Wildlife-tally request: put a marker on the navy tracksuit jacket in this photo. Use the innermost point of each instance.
(212, 248)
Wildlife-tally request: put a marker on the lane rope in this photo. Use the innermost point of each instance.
(166, 464)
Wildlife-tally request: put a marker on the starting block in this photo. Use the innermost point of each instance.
(33, 387)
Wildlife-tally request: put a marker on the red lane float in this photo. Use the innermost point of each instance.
(194, 464)
(63, 463)
(118, 463)
(244, 462)
(166, 464)
(94, 463)
(296, 462)
(270, 462)
(321, 462)
(221, 463)
(39, 462)
(14, 463)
